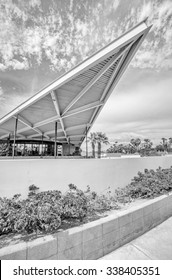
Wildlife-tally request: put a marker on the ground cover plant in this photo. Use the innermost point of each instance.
(46, 211)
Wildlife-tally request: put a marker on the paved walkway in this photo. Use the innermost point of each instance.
(153, 245)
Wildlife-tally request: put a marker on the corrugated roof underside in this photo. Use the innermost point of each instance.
(67, 92)
(78, 119)
(10, 125)
(40, 110)
(95, 92)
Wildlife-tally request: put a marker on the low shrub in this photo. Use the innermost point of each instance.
(74, 204)
(101, 203)
(44, 211)
(147, 184)
(29, 215)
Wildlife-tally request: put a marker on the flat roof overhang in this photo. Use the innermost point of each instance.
(76, 98)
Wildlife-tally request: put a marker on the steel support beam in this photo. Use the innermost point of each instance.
(29, 125)
(42, 145)
(57, 108)
(75, 127)
(86, 142)
(83, 108)
(71, 113)
(122, 58)
(55, 141)
(122, 65)
(69, 145)
(107, 88)
(94, 80)
(71, 136)
(49, 120)
(15, 133)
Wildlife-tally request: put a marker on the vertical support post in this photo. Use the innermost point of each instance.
(15, 133)
(62, 149)
(24, 148)
(55, 141)
(69, 146)
(8, 146)
(42, 145)
(86, 142)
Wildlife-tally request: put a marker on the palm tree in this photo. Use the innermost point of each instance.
(164, 143)
(135, 143)
(92, 139)
(146, 147)
(101, 139)
(169, 143)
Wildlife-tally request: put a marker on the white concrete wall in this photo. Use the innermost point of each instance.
(99, 174)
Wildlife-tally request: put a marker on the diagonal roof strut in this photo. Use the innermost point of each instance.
(57, 108)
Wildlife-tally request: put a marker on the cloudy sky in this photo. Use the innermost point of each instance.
(41, 39)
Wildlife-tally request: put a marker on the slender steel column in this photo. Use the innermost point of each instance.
(55, 141)
(8, 148)
(42, 145)
(15, 133)
(86, 142)
(24, 148)
(69, 146)
(62, 149)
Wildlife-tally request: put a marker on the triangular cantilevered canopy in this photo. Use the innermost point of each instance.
(76, 98)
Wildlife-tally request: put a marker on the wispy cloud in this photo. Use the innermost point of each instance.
(156, 52)
(1, 91)
(116, 4)
(31, 33)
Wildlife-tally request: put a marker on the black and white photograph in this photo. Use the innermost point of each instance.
(86, 133)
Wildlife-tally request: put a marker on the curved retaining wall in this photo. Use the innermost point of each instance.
(95, 239)
(17, 175)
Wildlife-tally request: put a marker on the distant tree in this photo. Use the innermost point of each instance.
(146, 147)
(113, 148)
(121, 149)
(135, 143)
(159, 148)
(93, 140)
(169, 144)
(129, 149)
(101, 139)
(164, 143)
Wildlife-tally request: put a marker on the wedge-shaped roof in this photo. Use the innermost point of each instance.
(76, 98)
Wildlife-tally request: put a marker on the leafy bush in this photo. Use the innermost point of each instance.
(102, 202)
(79, 204)
(74, 203)
(30, 215)
(32, 190)
(148, 184)
(44, 211)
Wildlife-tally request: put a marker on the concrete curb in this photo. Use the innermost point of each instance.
(95, 239)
